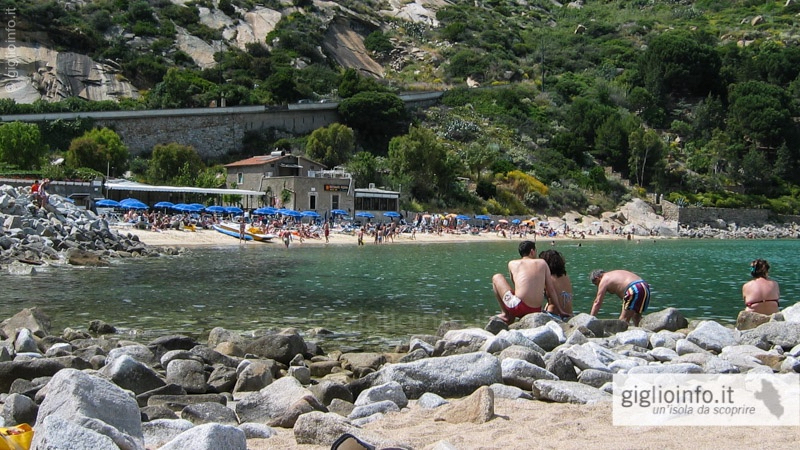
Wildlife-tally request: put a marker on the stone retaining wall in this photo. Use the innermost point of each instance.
(704, 215)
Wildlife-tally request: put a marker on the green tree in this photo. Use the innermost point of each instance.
(174, 162)
(756, 172)
(21, 145)
(182, 89)
(419, 158)
(363, 167)
(378, 116)
(100, 149)
(378, 43)
(332, 145)
(647, 153)
(680, 63)
(759, 112)
(479, 156)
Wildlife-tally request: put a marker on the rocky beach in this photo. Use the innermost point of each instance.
(540, 383)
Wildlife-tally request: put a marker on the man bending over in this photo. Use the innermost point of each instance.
(631, 288)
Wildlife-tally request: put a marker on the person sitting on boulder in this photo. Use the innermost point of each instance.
(761, 294)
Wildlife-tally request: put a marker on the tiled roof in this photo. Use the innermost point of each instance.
(255, 161)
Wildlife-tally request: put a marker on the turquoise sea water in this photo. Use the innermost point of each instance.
(378, 295)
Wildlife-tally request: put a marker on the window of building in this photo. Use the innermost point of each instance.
(335, 201)
(240, 178)
(312, 202)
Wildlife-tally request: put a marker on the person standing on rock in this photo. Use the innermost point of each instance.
(761, 294)
(631, 288)
(531, 278)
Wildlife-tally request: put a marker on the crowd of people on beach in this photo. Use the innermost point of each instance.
(541, 284)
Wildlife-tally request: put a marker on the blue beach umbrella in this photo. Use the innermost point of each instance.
(108, 203)
(215, 209)
(132, 203)
(164, 205)
(233, 210)
(310, 214)
(265, 211)
(365, 214)
(392, 214)
(516, 221)
(338, 212)
(462, 217)
(483, 217)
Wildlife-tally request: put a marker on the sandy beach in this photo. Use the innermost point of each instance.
(211, 238)
(533, 424)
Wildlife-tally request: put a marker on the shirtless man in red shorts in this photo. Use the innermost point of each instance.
(531, 278)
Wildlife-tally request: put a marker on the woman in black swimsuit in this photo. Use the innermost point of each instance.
(761, 294)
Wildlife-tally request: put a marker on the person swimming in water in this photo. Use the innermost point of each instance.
(761, 294)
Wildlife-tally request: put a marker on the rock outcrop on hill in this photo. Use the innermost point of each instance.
(41, 73)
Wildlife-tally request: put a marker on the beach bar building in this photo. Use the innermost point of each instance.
(310, 185)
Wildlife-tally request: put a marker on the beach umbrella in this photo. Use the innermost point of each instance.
(462, 217)
(132, 203)
(391, 214)
(483, 217)
(180, 207)
(164, 205)
(197, 206)
(365, 214)
(516, 221)
(233, 210)
(215, 209)
(108, 203)
(310, 214)
(338, 212)
(290, 213)
(265, 211)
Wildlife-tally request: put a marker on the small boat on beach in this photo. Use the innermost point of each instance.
(250, 233)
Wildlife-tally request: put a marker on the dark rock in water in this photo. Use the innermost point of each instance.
(667, 319)
(100, 327)
(80, 257)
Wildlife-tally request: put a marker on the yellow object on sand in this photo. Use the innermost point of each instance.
(16, 438)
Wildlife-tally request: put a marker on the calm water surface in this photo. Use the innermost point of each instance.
(376, 296)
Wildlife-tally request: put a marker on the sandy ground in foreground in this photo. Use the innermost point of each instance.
(211, 238)
(532, 424)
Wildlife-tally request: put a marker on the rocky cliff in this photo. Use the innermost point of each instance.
(37, 72)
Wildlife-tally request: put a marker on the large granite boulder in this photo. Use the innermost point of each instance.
(94, 403)
(448, 376)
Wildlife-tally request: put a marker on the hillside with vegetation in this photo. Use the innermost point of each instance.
(695, 100)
